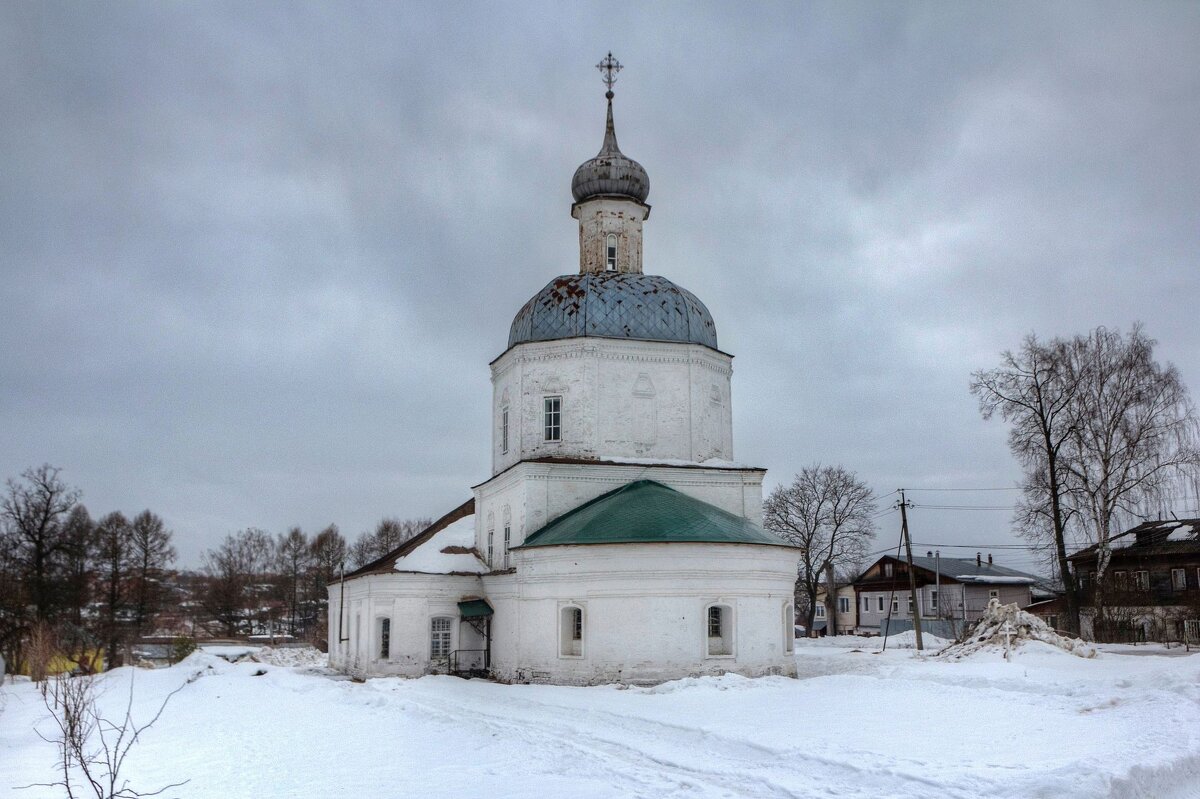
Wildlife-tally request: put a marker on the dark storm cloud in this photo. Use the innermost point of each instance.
(256, 258)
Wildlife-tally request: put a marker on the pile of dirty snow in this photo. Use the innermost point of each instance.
(290, 656)
(1004, 627)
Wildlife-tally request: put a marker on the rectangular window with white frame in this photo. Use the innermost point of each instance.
(866, 604)
(507, 542)
(439, 637)
(504, 431)
(880, 598)
(843, 604)
(1179, 579)
(895, 604)
(933, 601)
(819, 611)
(1141, 581)
(552, 418)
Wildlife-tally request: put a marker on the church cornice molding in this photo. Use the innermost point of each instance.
(702, 360)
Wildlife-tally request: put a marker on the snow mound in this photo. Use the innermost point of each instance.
(290, 656)
(1007, 626)
(908, 640)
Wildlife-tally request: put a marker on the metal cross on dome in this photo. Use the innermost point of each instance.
(609, 67)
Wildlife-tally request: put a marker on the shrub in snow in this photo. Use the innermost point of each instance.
(1003, 626)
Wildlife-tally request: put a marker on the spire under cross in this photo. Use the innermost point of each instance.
(609, 67)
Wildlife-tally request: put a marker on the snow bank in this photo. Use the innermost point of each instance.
(291, 656)
(1056, 726)
(1005, 627)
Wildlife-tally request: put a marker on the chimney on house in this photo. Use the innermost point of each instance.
(929, 554)
(978, 559)
(989, 558)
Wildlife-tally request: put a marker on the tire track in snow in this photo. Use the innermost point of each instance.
(731, 767)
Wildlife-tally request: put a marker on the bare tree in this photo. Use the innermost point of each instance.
(79, 533)
(33, 513)
(1034, 393)
(295, 558)
(390, 533)
(92, 749)
(1102, 431)
(151, 554)
(113, 548)
(1133, 436)
(237, 574)
(826, 511)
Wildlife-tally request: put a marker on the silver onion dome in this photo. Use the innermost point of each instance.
(614, 305)
(611, 172)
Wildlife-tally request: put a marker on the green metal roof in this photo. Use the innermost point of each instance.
(648, 512)
(474, 608)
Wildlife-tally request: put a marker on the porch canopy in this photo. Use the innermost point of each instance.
(474, 609)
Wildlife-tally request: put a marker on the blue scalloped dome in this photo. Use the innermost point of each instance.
(614, 305)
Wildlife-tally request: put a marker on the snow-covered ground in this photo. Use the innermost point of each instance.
(856, 724)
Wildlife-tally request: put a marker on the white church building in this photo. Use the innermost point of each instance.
(616, 539)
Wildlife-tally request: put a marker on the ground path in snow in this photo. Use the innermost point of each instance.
(856, 725)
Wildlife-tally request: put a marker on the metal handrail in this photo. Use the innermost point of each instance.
(453, 659)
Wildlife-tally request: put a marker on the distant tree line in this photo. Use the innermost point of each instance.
(73, 585)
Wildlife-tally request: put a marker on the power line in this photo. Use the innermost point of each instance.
(1013, 488)
(965, 507)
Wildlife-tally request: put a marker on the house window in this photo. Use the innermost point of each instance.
(719, 624)
(888, 570)
(570, 632)
(910, 606)
(610, 254)
(1141, 581)
(933, 600)
(993, 593)
(504, 431)
(895, 604)
(866, 604)
(880, 598)
(1179, 579)
(820, 613)
(1120, 581)
(385, 639)
(1083, 581)
(843, 604)
(439, 637)
(552, 414)
(507, 541)
(491, 539)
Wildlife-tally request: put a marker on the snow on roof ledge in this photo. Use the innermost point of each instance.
(986, 578)
(450, 551)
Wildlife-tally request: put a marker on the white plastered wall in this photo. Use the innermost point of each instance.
(410, 601)
(622, 398)
(645, 611)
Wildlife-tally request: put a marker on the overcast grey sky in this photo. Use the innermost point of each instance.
(256, 257)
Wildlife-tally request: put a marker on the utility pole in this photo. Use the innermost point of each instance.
(937, 578)
(912, 575)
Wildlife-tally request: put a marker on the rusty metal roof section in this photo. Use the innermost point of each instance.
(614, 305)
(611, 172)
